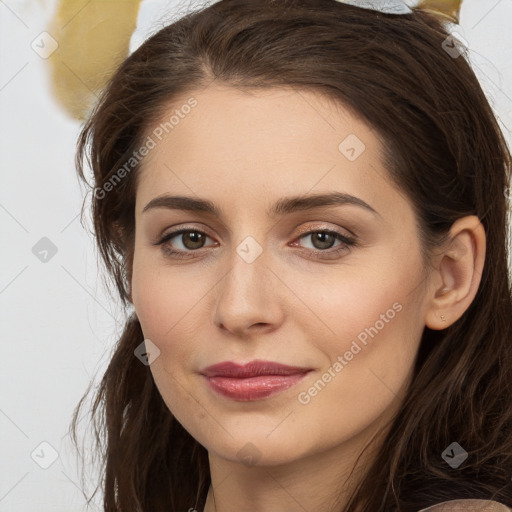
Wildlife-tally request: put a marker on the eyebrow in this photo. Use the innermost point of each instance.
(282, 207)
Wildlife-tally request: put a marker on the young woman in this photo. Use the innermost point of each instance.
(306, 204)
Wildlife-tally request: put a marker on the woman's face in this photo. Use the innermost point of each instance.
(266, 277)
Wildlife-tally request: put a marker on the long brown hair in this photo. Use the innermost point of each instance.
(444, 149)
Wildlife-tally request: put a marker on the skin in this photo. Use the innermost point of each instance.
(244, 151)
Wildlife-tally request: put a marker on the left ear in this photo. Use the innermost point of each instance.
(458, 271)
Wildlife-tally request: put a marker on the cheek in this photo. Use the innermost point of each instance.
(162, 296)
(370, 331)
(364, 303)
(169, 302)
(367, 371)
(165, 308)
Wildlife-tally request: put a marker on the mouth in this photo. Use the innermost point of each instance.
(254, 381)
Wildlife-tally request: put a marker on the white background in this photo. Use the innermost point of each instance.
(58, 322)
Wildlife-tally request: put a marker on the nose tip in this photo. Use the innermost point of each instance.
(242, 330)
(246, 301)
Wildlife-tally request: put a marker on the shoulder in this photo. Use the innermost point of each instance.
(468, 506)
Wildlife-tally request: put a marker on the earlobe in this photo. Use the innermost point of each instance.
(459, 271)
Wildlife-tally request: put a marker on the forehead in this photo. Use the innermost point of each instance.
(278, 141)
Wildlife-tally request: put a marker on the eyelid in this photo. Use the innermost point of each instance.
(307, 230)
(175, 231)
(163, 239)
(347, 241)
(301, 231)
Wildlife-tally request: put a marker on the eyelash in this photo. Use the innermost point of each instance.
(347, 243)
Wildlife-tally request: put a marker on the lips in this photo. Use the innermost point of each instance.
(253, 381)
(251, 369)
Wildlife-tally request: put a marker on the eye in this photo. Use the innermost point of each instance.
(193, 239)
(324, 239)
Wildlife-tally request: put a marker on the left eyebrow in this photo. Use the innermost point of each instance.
(282, 207)
(301, 203)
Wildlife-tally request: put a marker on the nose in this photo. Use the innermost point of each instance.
(249, 298)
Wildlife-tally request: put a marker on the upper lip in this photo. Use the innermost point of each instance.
(251, 369)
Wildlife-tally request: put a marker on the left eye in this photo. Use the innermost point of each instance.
(325, 239)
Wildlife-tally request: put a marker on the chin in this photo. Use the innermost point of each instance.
(258, 450)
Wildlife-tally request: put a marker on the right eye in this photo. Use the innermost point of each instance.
(191, 240)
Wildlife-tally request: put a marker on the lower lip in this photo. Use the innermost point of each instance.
(253, 388)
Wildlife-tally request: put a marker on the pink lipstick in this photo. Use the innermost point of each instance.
(253, 381)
